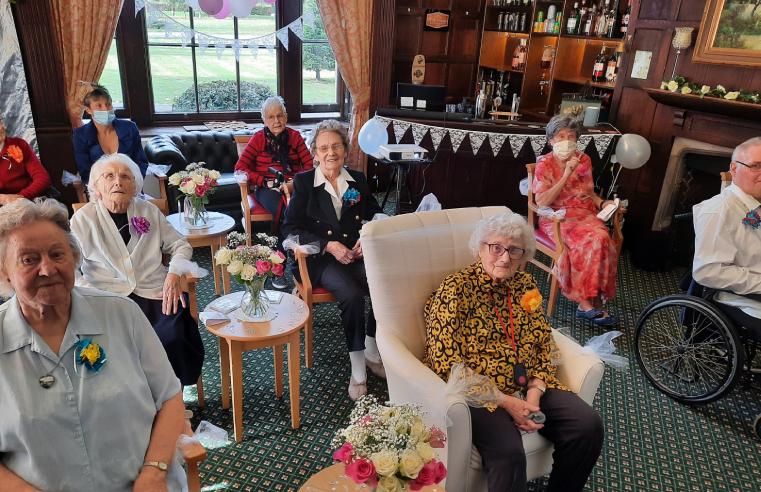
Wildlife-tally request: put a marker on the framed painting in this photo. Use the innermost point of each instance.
(730, 33)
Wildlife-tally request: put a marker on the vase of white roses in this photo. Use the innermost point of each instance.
(252, 266)
(196, 183)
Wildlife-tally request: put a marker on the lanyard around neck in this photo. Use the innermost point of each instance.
(511, 335)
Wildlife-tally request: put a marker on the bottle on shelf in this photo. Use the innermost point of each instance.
(499, 21)
(506, 88)
(602, 19)
(524, 18)
(500, 85)
(589, 25)
(611, 71)
(516, 57)
(625, 19)
(573, 20)
(547, 55)
(551, 10)
(480, 104)
(598, 72)
(582, 19)
(490, 85)
(611, 27)
(558, 22)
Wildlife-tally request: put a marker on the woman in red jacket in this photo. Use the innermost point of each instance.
(21, 174)
(278, 146)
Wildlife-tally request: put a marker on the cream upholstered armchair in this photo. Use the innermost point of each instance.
(407, 257)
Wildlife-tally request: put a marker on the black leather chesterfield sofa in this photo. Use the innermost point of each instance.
(217, 149)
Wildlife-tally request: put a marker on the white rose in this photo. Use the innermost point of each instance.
(731, 95)
(410, 464)
(235, 267)
(385, 462)
(199, 179)
(175, 179)
(673, 86)
(223, 256)
(189, 187)
(705, 89)
(419, 430)
(275, 259)
(426, 452)
(248, 272)
(664, 85)
(686, 90)
(214, 175)
(389, 484)
(720, 88)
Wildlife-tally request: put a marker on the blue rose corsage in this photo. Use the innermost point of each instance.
(90, 355)
(752, 219)
(351, 196)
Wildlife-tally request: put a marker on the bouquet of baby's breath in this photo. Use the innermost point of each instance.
(389, 446)
(249, 263)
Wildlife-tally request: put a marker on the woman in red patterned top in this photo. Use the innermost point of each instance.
(21, 174)
(586, 270)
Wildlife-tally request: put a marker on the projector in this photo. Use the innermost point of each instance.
(403, 152)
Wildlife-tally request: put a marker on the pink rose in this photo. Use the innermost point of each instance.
(277, 269)
(279, 255)
(344, 453)
(426, 476)
(435, 443)
(439, 470)
(362, 471)
(263, 267)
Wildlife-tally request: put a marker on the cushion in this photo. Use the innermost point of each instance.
(316, 290)
(255, 207)
(544, 239)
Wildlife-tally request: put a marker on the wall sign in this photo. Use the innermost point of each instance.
(436, 20)
(641, 65)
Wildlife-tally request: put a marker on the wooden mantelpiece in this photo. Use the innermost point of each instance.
(712, 105)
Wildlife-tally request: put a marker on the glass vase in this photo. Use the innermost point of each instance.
(254, 303)
(195, 214)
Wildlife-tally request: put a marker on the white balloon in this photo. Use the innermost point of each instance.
(193, 4)
(632, 151)
(371, 136)
(241, 8)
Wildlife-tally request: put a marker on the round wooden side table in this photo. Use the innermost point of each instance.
(333, 479)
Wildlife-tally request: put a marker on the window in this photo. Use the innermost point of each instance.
(320, 88)
(111, 78)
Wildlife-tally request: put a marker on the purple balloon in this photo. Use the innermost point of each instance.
(211, 7)
(225, 10)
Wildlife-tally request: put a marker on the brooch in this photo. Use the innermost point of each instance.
(89, 354)
(531, 301)
(752, 219)
(351, 196)
(141, 225)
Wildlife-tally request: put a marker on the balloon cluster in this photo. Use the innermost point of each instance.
(222, 8)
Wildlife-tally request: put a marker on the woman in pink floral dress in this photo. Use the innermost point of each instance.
(586, 270)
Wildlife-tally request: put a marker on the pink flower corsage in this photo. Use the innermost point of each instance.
(141, 225)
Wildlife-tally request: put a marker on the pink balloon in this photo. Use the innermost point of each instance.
(270, 1)
(211, 7)
(225, 10)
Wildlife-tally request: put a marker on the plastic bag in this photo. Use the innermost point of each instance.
(523, 187)
(210, 436)
(549, 212)
(602, 346)
(429, 202)
(157, 169)
(176, 478)
(184, 266)
(292, 243)
(240, 176)
(69, 178)
(478, 390)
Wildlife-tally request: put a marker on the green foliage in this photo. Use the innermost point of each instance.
(681, 85)
(317, 56)
(223, 95)
(262, 9)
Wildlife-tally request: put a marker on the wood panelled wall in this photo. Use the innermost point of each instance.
(633, 111)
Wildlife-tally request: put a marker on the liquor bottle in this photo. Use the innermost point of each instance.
(625, 19)
(573, 20)
(598, 73)
(522, 55)
(490, 85)
(499, 21)
(516, 57)
(612, 70)
(582, 21)
(506, 89)
(499, 87)
(602, 19)
(523, 26)
(611, 28)
(589, 26)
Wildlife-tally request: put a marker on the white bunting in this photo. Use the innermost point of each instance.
(537, 143)
(298, 28)
(383, 120)
(187, 36)
(237, 45)
(437, 135)
(169, 28)
(516, 143)
(203, 43)
(476, 140)
(254, 47)
(220, 44)
(583, 142)
(456, 137)
(602, 142)
(400, 128)
(282, 35)
(496, 140)
(139, 5)
(418, 132)
(309, 18)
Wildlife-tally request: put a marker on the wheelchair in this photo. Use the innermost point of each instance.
(690, 350)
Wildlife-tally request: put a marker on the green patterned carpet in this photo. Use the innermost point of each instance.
(652, 443)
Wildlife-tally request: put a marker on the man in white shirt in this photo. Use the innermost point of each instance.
(728, 240)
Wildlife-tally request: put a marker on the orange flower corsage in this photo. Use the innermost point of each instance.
(15, 153)
(531, 301)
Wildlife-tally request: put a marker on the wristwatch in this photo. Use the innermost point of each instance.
(158, 464)
(539, 387)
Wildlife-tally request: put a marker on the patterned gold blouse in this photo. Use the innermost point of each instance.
(462, 325)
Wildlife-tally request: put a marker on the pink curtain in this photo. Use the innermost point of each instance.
(347, 23)
(83, 32)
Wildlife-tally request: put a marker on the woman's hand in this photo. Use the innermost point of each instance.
(605, 203)
(570, 167)
(357, 251)
(341, 252)
(172, 293)
(151, 479)
(519, 410)
(6, 199)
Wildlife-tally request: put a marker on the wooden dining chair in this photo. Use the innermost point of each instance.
(555, 247)
(726, 180)
(194, 454)
(311, 295)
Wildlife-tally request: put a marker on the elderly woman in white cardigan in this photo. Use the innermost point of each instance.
(123, 239)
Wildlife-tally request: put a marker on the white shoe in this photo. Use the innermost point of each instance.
(376, 367)
(357, 389)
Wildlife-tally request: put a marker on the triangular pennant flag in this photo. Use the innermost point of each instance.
(496, 140)
(298, 28)
(220, 45)
(254, 47)
(418, 132)
(537, 143)
(237, 45)
(437, 135)
(583, 142)
(152, 17)
(203, 43)
(383, 120)
(602, 142)
(400, 128)
(476, 140)
(139, 5)
(516, 143)
(187, 35)
(456, 137)
(282, 35)
(170, 26)
(309, 18)
(269, 42)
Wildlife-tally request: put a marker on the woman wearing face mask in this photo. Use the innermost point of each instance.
(105, 134)
(586, 270)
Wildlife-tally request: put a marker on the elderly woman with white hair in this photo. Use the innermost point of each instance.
(274, 145)
(123, 239)
(489, 317)
(87, 396)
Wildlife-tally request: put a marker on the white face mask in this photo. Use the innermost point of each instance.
(564, 149)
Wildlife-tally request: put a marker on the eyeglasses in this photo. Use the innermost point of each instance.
(498, 250)
(756, 168)
(270, 119)
(335, 147)
(110, 177)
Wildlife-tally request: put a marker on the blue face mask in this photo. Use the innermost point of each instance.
(104, 118)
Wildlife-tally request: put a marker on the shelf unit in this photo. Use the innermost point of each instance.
(571, 67)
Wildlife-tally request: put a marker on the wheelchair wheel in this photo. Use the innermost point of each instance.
(688, 349)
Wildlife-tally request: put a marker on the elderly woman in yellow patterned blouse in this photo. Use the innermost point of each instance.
(489, 317)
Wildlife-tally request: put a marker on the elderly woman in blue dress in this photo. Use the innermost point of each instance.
(123, 240)
(72, 418)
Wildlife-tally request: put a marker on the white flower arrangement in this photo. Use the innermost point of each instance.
(679, 84)
(249, 263)
(196, 183)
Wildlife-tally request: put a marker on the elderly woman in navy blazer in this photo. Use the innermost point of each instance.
(328, 206)
(105, 134)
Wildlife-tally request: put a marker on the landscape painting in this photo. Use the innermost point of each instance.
(730, 33)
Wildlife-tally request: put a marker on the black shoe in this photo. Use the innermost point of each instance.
(280, 282)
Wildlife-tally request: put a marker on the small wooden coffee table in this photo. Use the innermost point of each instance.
(236, 337)
(333, 479)
(214, 236)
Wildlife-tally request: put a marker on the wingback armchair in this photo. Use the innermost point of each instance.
(407, 257)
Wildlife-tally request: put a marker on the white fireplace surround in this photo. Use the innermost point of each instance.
(675, 173)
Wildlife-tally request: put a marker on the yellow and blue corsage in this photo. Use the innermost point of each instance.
(89, 354)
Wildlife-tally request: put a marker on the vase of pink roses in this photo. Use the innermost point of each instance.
(388, 447)
(196, 183)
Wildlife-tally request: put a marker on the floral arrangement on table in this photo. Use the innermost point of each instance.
(682, 86)
(389, 447)
(15, 153)
(196, 183)
(252, 266)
